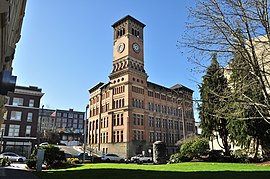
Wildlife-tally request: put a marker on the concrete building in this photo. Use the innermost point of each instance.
(19, 130)
(128, 114)
(46, 120)
(11, 19)
(69, 124)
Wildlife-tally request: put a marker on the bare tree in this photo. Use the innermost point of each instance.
(228, 27)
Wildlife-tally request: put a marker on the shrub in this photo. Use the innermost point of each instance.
(200, 147)
(53, 156)
(73, 160)
(240, 156)
(189, 149)
(31, 163)
(186, 149)
(178, 158)
(175, 158)
(215, 156)
(195, 148)
(5, 161)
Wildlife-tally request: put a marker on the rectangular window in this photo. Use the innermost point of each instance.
(28, 131)
(142, 119)
(114, 120)
(16, 115)
(170, 124)
(142, 135)
(13, 130)
(64, 114)
(158, 122)
(151, 121)
(176, 125)
(31, 103)
(70, 115)
(151, 137)
(134, 119)
(114, 136)
(134, 134)
(164, 123)
(58, 124)
(17, 102)
(29, 117)
(118, 136)
(122, 119)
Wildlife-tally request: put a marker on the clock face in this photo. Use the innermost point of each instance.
(136, 47)
(121, 47)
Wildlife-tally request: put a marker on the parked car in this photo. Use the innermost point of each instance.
(80, 156)
(43, 144)
(140, 158)
(13, 157)
(68, 155)
(112, 158)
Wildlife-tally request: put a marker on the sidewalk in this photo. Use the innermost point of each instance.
(16, 171)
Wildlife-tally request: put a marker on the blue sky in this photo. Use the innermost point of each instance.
(67, 46)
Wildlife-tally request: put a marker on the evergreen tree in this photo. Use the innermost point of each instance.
(246, 126)
(214, 105)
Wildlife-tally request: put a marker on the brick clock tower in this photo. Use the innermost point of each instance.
(128, 74)
(128, 51)
(128, 113)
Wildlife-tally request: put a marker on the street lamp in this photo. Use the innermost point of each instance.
(39, 125)
(84, 132)
(183, 121)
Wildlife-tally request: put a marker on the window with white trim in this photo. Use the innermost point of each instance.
(31, 103)
(29, 117)
(28, 131)
(17, 102)
(16, 115)
(13, 130)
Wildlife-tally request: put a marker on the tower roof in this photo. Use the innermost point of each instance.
(128, 17)
(179, 87)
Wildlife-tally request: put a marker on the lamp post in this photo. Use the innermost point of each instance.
(1, 144)
(39, 125)
(84, 132)
(183, 121)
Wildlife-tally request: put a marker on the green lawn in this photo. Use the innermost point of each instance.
(182, 170)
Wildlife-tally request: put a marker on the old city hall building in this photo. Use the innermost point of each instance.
(128, 114)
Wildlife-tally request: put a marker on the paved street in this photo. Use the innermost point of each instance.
(16, 171)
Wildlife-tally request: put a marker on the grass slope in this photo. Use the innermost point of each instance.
(181, 170)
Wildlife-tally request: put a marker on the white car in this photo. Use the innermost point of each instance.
(44, 144)
(140, 158)
(112, 158)
(13, 157)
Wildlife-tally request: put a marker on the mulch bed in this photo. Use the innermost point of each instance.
(264, 163)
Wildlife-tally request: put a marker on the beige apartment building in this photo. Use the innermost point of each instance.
(11, 19)
(128, 114)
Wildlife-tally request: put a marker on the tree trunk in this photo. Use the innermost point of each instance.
(257, 140)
